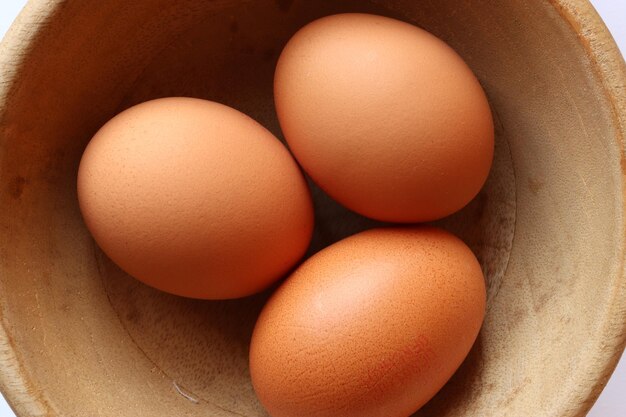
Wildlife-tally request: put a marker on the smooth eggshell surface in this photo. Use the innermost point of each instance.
(195, 198)
(385, 117)
(371, 326)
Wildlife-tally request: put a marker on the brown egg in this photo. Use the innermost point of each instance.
(195, 198)
(371, 326)
(385, 117)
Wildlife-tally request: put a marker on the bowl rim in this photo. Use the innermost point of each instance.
(606, 61)
(609, 66)
(18, 390)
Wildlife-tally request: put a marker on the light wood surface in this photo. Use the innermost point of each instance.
(80, 338)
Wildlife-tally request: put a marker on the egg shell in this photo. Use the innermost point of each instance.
(384, 117)
(195, 198)
(373, 325)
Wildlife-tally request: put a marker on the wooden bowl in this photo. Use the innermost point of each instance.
(80, 338)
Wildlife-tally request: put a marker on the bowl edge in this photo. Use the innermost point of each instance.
(608, 64)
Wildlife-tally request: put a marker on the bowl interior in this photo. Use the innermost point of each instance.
(546, 227)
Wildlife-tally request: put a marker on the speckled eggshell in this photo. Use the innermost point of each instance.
(195, 198)
(384, 116)
(371, 326)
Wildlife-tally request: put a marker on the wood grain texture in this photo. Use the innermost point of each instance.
(78, 337)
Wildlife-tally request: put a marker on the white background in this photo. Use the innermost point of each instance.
(612, 402)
